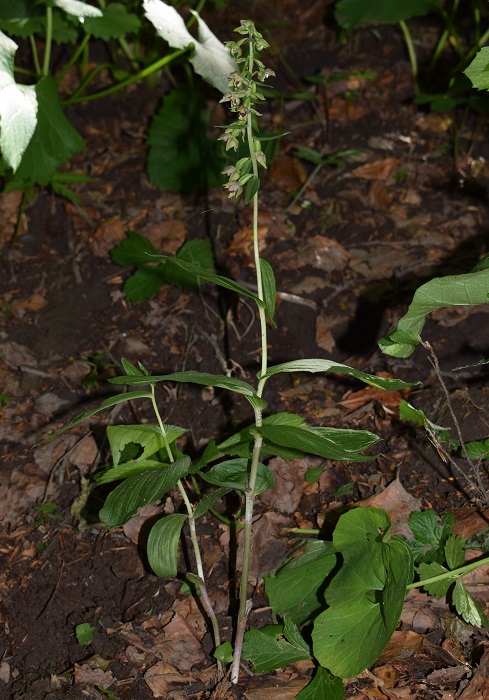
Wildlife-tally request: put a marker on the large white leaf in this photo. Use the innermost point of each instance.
(78, 9)
(18, 107)
(211, 59)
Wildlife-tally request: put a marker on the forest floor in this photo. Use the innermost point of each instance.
(348, 255)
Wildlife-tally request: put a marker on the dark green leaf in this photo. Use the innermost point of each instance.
(467, 607)
(108, 403)
(54, 141)
(144, 283)
(478, 70)
(162, 546)
(209, 500)
(139, 490)
(438, 588)
(324, 686)
(268, 649)
(234, 474)
(224, 653)
(127, 469)
(20, 17)
(252, 187)
(269, 288)
(181, 157)
(115, 22)
(354, 13)
(148, 436)
(135, 250)
(198, 252)
(455, 551)
(319, 365)
(294, 589)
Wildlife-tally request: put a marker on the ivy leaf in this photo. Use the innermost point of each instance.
(162, 546)
(210, 59)
(115, 22)
(18, 107)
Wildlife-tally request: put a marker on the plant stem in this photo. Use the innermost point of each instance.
(49, 41)
(193, 536)
(456, 573)
(35, 55)
(411, 53)
(128, 81)
(245, 605)
(75, 57)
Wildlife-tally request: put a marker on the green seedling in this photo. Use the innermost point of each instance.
(48, 515)
(84, 633)
(146, 460)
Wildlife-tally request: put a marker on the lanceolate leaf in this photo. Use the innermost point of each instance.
(330, 443)
(108, 403)
(269, 288)
(139, 490)
(199, 272)
(353, 13)
(454, 290)
(366, 596)
(319, 365)
(163, 545)
(209, 500)
(124, 471)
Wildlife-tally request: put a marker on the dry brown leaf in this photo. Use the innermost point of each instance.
(87, 675)
(15, 355)
(400, 641)
(289, 480)
(421, 612)
(387, 674)
(162, 676)
(324, 338)
(108, 233)
(469, 521)
(377, 170)
(277, 688)
(398, 503)
(132, 528)
(166, 236)
(34, 302)
(478, 688)
(178, 644)
(287, 173)
(357, 399)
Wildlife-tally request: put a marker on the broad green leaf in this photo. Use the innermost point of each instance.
(252, 187)
(144, 283)
(224, 653)
(133, 371)
(198, 252)
(209, 500)
(354, 13)
(181, 156)
(416, 415)
(135, 250)
(330, 443)
(77, 8)
(467, 607)
(115, 22)
(478, 70)
(234, 474)
(210, 58)
(294, 589)
(324, 686)
(469, 289)
(108, 403)
(438, 588)
(366, 596)
(455, 551)
(54, 141)
(427, 529)
(199, 272)
(20, 17)
(318, 365)
(162, 545)
(139, 490)
(269, 288)
(127, 469)
(18, 107)
(268, 649)
(148, 436)
(84, 633)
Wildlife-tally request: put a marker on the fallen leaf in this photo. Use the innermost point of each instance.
(377, 170)
(162, 676)
(324, 338)
(478, 688)
(357, 399)
(287, 173)
(398, 503)
(401, 640)
(35, 302)
(108, 233)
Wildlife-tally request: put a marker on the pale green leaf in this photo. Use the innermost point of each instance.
(162, 548)
(149, 437)
(210, 59)
(84, 633)
(77, 8)
(234, 474)
(455, 551)
(268, 649)
(478, 70)
(437, 588)
(470, 289)
(124, 471)
(468, 608)
(319, 365)
(18, 107)
(139, 490)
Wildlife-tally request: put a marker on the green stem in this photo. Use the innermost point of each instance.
(411, 53)
(49, 41)
(132, 79)
(74, 58)
(245, 605)
(193, 535)
(456, 573)
(35, 56)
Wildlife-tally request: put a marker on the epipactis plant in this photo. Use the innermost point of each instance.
(364, 571)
